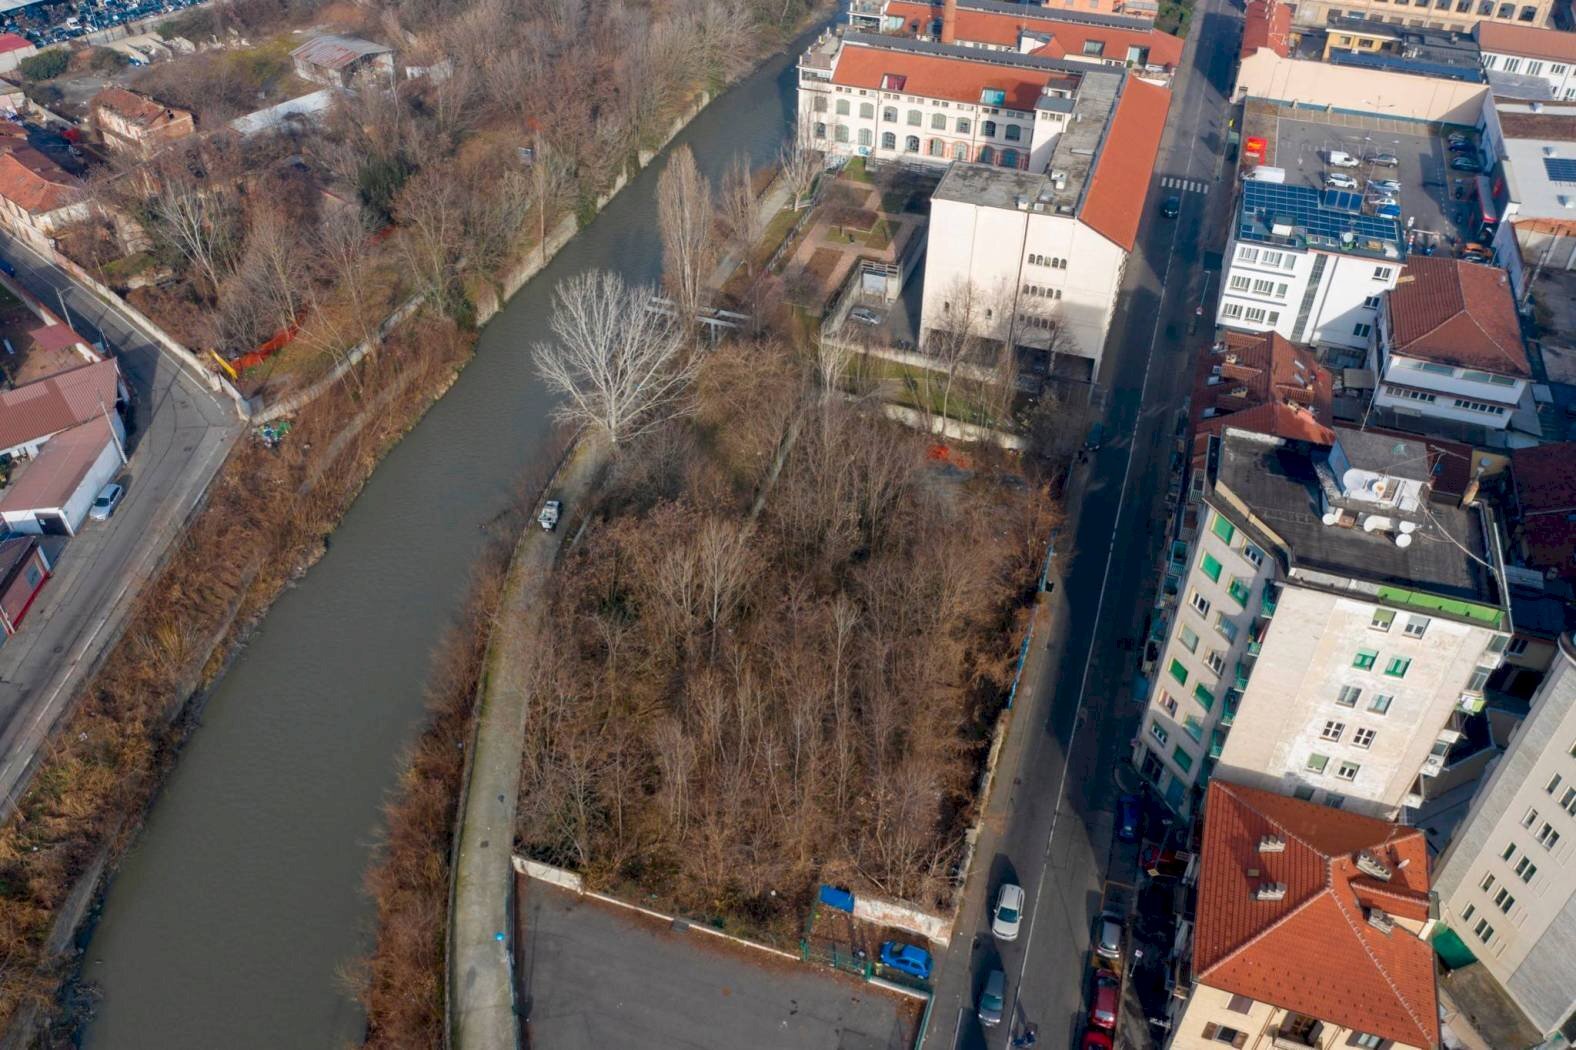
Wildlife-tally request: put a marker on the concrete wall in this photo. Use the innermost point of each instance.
(904, 917)
(1398, 96)
(1533, 940)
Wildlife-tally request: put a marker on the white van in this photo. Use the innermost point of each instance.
(1336, 159)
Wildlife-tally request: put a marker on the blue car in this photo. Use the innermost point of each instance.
(906, 958)
(1127, 810)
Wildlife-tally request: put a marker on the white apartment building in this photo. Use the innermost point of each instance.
(1448, 346)
(1330, 627)
(1308, 265)
(1531, 191)
(1507, 882)
(896, 98)
(1037, 259)
(1532, 51)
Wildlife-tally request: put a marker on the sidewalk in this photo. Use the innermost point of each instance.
(481, 981)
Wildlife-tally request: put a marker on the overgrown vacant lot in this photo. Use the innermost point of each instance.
(728, 709)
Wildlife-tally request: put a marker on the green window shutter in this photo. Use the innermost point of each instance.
(1223, 528)
(1183, 760)
(1202, 694)
(1398, 667)
(1239, 592)
(1178, 672)
(1366, 658)
(1211, 567)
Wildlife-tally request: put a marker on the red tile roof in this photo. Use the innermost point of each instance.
(1530, 41)
(1263, 383)
(937, 76)
(1546, 497)
(139, 109)
(35, 183)
(1313, 951)
(1457, 313)
(1266, 23)
(1001, 29)
(50, 479)
(1114, 203)
(13, 42)
(36, 410)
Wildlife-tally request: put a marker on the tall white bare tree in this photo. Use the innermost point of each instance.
(740, 210)
(685, 216)
(798, 161)
(622, 367)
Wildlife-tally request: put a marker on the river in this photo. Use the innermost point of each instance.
(233, 917)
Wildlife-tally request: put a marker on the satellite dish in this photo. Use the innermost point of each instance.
(1403, 540)
(1330, 517)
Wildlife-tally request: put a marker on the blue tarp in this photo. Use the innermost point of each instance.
(837, 897)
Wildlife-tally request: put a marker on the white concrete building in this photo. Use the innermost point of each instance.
(1532, 51)
(1530, 192)
(1448, 346)
(1037, 259)
(1507, 882)
(896, 98)
(1330, 628)
(1308, 265)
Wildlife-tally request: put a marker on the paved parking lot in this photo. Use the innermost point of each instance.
(1429, 204)
(593, 975)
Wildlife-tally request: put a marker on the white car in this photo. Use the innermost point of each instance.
(106, 501)
(1008, 913)
(1337, 180)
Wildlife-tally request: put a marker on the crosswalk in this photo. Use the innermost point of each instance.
(1175, 182)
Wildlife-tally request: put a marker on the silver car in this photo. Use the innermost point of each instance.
(1007, 916)
(1109, 943)
(993, 999)
(106, 501)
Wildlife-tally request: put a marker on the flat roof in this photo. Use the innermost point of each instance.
(1276, 480)
(1285, 215)
(1540, 172)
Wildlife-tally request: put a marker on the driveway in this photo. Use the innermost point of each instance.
(178, 436)
(594, 975)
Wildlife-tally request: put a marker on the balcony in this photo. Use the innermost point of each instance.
(1300, 1036)
(1228, 709)
(1471, 703)
(1178, 557)
(1243, 671)
(1268, 600)
(1217, 743)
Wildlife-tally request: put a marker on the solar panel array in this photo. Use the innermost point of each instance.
(1560, 169)
(1306, 208)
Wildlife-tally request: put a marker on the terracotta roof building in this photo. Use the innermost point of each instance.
(136, 124)
(1309, 927)
(1267, 24)
(1260, 382)
(1448, 346)
(1040, 31)
(37, 196)
(32, 413)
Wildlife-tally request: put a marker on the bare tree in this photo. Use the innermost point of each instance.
(200, 223)
(740, 210)
(684, 213)
(798, 161)
(621, 366)
(953, 344)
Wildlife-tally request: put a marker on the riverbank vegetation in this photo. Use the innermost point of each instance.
(776, 653)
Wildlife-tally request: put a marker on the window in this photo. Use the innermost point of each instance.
(1468, 405)
(867, 110)
(1227, 629)
(1382, 620)
(963, 126)
(1487, 884)
(1367, 1042)
(1231, 311)
(888, 140)
(1553, 785)
(938, 122)
(1383, 273)
(1504, 901)
(1168, 703)
(1248, 255)
(842, 107)
(841, 133)
(1517, 647)
(1332, 731)
(820, 131)
(1211, 567)
(1199, 603)
(1508, 852)
(1397, 667)
(1380, 705)
(1189, 638)
(1270, 258)
(1253, 554)
(960, 151)
(1317, 762)
(1216, 661)
(1219, 1033)
(937, 148)
(1527, 14)
(1365, 659)
(1484, 931)
(1223, 528)
(1467, 912)
(1372, 302)
(1558, 69)
(1183, 760)
(1205, 698)
(1254, 315)
(1262, 287)
(1178, 672)
(1014, 132)
(1361, 330)
(1347, 770)
(1158, 733)
(1239, 283)
(1239, 591)
(1409, 394)
(911, 144)
(1193, 728)
(1529, 818)
(988, 129)
(1348, 696)
(1240, 1004)
(1416, 626)
(1547, 837)
(865, 136)
(1568, 803)
(1364, 738)
(1525, 869)
(915, 118)
(889, 115)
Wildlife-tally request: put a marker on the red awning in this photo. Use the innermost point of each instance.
(1485, 193)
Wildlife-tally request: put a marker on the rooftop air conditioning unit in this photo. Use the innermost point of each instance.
(1380, 921)
(1272, 844)
(1270, 891)
(1369, 864)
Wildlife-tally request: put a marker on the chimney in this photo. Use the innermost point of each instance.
(949, 21)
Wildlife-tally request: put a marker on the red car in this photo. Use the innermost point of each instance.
(1094, 1039)
(1103, 1013)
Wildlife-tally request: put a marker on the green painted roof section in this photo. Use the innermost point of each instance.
(1452, 951)
(1486, 615)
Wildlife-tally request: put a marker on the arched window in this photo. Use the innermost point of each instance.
(964, 126)
(915, 118)
(987, 155)
(1014, 133)
(911, 144)
(938, 122)
(960, 152)
(820, 103)
(842, 133)
(938, 148)
(1009, 158)
(889, 114)
(989, 129)
(867, 110)
(820, 131)
(842, 107)
(888, 140)
(866, 136)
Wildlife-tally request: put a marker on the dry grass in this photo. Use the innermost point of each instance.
(264, 521)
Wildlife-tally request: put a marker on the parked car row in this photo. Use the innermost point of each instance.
(57, 23)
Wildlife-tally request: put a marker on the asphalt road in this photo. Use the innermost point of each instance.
(178, 435)
(1049, 823)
